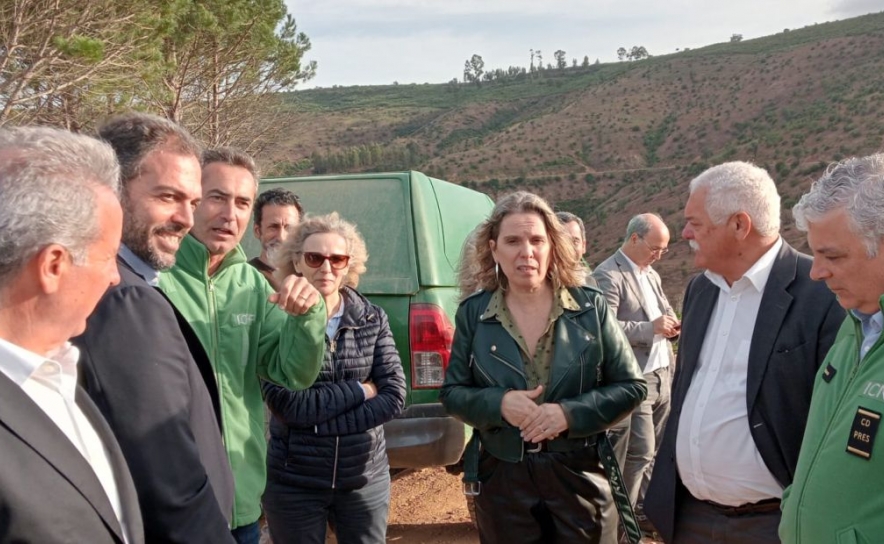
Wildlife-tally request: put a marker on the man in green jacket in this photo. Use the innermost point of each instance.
(836, 494)
(242, 323)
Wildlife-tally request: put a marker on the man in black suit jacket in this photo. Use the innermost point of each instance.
(755, 329)
(62, 474)
(142, 364)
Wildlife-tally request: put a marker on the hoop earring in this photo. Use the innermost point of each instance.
(497, 276)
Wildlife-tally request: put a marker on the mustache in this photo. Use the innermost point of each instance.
(171, 228)
(694, 245)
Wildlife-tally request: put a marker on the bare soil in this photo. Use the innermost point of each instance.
(426, 507)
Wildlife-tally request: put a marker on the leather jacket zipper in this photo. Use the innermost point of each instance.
(509, 365)
(474, 362)
(553, 387)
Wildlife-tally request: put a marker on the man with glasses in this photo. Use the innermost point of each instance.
(276, 212)
(242, 323)
(755, 330)
(635, 295)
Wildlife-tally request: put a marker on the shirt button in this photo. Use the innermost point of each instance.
(587, 304)
(493, 348)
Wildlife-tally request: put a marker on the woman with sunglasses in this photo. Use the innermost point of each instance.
(327, 460)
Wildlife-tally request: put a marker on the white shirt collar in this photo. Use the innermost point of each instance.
(635, 268)
(758, 273)
(20, 364)
(147, 272)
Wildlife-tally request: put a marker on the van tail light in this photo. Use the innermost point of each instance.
(431, 333)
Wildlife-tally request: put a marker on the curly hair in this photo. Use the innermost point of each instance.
(332, 223)
(477, 270)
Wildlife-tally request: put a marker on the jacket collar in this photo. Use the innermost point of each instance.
(193, 257)
(495, 304)
(356, 308)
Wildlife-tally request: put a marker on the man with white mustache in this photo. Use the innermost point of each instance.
(755, 330)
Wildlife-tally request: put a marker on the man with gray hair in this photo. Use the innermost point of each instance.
(755, 329)
(836, 494)
(249, 330)
(142, 363)
(63, 477)
(635, 295)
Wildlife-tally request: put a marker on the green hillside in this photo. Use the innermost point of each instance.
(610, 140)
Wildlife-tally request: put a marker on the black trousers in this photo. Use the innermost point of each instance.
(546, 498)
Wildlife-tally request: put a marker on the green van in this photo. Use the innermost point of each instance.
(414, 227)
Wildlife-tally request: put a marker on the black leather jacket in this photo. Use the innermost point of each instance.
(593, 375)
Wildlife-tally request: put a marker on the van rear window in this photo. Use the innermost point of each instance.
(381, 210)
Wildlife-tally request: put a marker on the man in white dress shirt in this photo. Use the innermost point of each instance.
(755, 329)
(62, 476)
(635, 295)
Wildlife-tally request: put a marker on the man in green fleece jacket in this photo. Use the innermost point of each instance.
(242, 323)
(835, 497)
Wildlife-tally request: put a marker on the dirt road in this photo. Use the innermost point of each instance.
(428, 507)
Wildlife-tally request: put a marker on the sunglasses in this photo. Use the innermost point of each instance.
(315, 260)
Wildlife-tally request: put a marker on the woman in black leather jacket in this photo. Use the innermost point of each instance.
(539, 368)
(327, 462)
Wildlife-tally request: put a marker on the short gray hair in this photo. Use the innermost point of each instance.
(855, 184)
(639, 225)
(48, 179)
(741, 187)
(136, 135)
(568, 217)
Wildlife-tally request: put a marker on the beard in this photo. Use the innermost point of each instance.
(138, 236)
(272, 251)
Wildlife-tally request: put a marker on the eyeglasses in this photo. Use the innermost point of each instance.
(660, 250)
(315, 260)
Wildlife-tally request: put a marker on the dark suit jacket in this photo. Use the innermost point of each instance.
(797, 322)
(137, 366)
(48, 492)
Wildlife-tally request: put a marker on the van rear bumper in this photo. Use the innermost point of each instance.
(424, 436)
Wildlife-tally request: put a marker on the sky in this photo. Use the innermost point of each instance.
(379, 42)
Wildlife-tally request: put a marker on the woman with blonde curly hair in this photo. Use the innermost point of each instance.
(539, 368)
(327, 460)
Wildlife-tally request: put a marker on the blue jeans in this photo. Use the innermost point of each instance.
(298, 515)
(247, 534)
